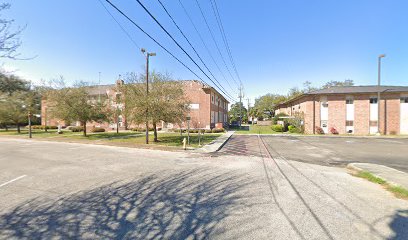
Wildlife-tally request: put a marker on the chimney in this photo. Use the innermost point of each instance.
(119, 82)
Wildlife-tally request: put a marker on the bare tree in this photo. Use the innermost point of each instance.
(9, 39)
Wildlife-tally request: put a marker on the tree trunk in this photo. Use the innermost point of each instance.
(155, 132)
(117, 127)
(18, 128)
(84, 125)
(6, 127)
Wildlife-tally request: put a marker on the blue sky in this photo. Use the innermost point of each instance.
(275, 44)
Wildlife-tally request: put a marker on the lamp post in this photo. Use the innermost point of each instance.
(378, 92)
(147, 89)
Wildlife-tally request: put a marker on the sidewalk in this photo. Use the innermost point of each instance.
(216, 144)
(391, 175)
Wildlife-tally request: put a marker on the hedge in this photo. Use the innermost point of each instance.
(277, 128)
(77, 129)
(97, 129)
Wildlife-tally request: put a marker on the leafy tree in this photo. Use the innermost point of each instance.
(265, 104)
(345, 83)
(238, 109)
(11, 83)
(166, 100)
(15, 107)
(76, 104)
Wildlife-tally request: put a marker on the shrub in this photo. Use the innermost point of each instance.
(98, 129)
(217, 130)
(77, 129)
(42, 127)
(207, 131)
(333, 131)
(277, 128)
(319, 130)
(293, 129)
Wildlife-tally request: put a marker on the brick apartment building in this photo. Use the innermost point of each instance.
(208, 108)
(352, 109)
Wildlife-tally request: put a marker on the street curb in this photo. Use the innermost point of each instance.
(217, 144)
(352, 166)
(323, 136)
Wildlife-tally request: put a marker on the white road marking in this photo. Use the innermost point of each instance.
(13, 180)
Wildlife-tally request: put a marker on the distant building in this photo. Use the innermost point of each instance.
(352, 109)
(208, 109)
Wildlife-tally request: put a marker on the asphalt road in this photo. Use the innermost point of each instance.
(78, 191)
(328, 151)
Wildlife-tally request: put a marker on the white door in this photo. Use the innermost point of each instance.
(404, 115)
(373, 115)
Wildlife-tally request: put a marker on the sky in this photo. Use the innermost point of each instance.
(275, 44)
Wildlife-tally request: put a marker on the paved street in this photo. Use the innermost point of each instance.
(328, 151)
(68, 190)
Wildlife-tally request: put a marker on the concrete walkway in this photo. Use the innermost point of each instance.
(216, 144)
(391, 175)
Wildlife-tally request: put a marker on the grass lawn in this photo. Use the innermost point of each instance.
(113, 138)
(255, 129)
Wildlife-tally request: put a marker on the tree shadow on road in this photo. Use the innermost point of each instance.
(399, 225)
(178, 205)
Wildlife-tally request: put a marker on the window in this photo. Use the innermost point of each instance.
(349, 123)
(373, 100)
(349, 101)
(404, 99)
(212, 98)
(325, 105)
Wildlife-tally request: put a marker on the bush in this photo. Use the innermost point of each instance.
(293, 129)
(333, 131)
(207, 131)
(77, 129)
(277, 128)
(42, 127)
(319, 130)
(98, 129)
(217, 130)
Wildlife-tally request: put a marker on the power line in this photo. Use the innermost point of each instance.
(205, 45)
(153, 39)
(120, 25)
(191, 45)
(216, 44)
(221, 88)
(224, 36)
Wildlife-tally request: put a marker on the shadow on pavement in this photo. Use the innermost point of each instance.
(399, 225)
(167, 206)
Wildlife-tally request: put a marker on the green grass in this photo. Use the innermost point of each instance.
(255, 129)
(128, 137)
(370, 177)
(398, 191)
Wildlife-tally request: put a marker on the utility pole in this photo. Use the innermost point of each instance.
(240, 105)
(147, 90)
(378, 93)
(99, 83)
(248, 111)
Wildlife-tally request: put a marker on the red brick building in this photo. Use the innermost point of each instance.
(208, 108)
(352, 109)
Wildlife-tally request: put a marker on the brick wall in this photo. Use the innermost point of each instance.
(337, 113)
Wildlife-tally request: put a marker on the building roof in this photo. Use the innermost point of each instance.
(359, 89)
(351, 90)
(99, 89)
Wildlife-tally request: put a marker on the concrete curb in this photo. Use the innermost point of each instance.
(323, 136)
(391, 175)
(217, 144)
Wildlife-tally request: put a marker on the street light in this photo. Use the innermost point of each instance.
(147, 89)
(378, 92)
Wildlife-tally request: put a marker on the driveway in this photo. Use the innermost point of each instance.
(73, 191)
(328, 151)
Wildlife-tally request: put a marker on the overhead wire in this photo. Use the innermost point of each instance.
(221, 88)
(216, 44)
(205, 46)
(224, 36)
(159, 44)
(188, 41)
